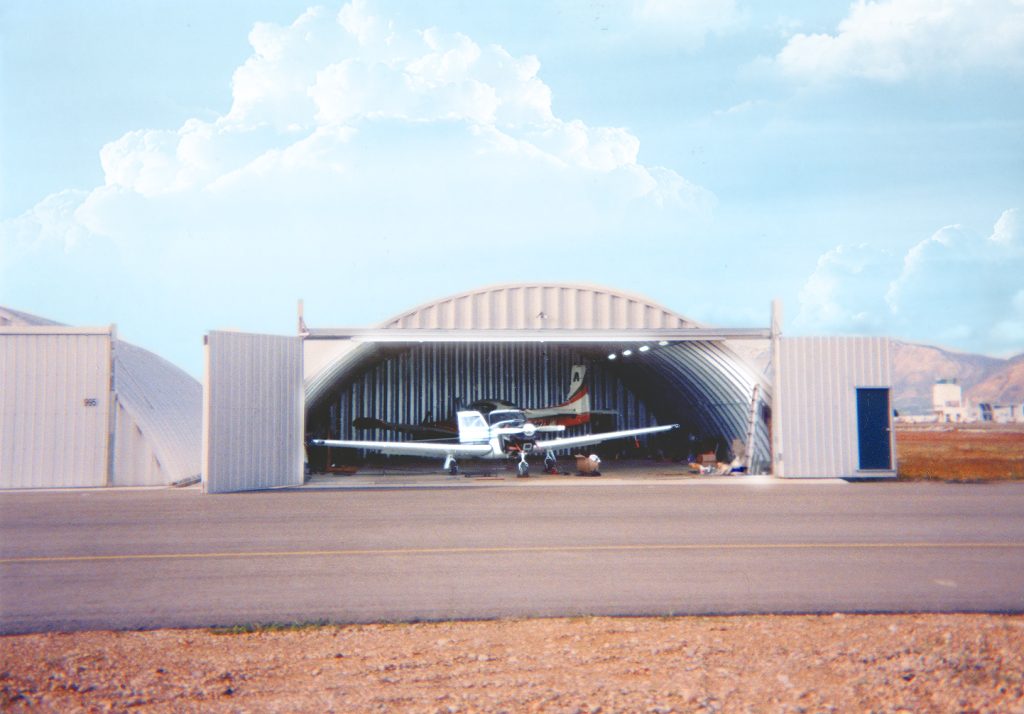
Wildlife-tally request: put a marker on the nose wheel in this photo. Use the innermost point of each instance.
(523, 468)
(451, 465)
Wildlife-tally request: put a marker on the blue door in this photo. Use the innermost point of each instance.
(874, 438)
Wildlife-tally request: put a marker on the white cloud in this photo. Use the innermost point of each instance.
(686, 22)
(894, 40)
(298, 85)
(957, 288)
(1008, 231)
(845, 293)
(351, 145)
(964, 285)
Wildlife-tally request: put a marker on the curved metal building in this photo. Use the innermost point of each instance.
(80, 408)
(519, 342)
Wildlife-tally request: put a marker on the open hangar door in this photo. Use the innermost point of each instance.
(252, 412)
(519, 343)
(700, 385)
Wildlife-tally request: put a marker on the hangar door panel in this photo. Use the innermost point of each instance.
(253, 412)
(55, 401)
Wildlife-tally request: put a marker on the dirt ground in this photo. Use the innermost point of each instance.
(969, 452)
(831, 663)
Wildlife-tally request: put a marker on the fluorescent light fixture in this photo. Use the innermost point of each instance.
(644, 348)
(612, 356)
(663, 343)
(627, 353)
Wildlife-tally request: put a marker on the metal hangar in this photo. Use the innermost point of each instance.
(81, 408)
(519, 343)
(511, 342)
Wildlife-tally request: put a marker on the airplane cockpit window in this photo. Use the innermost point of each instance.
(507, 417)
(471, 420)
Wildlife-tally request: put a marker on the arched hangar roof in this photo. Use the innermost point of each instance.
(159, 422)
(540, 307)
(690, 367)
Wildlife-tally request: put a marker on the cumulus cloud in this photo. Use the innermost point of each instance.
(845, 293)
(966, 285)
(315, 94)
(345, 105)
(356, 143)
(958, 288)
(893, 40)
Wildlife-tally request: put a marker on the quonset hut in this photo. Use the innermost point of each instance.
(518, 343)
(81, 408)
(645, 365)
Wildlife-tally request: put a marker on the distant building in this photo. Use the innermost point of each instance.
(949, 406)
(947, 402)
(1001, 413)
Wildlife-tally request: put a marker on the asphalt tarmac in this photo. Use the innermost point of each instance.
(428, 547)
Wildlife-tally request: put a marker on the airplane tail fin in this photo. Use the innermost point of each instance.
(578, 400)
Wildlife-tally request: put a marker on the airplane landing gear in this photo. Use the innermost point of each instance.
(523, 468)
(451, 465)
(550, 465)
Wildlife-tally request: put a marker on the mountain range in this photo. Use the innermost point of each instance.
(917, 367)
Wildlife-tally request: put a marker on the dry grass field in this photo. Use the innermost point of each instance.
(969, 452)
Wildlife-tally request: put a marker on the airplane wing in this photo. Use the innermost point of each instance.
(570, 442)
(410, 448)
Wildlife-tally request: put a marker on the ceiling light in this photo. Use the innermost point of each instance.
(627, 353)
(612, 356)
(663, 343)
(644, 348)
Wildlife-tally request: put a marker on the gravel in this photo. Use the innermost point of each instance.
(783, 663)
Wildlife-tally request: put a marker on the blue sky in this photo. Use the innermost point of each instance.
(175, 166)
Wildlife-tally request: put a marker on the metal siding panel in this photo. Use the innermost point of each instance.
(165, 406)
(819, 424)
(253, 412)
(136, 462)
(49, 438)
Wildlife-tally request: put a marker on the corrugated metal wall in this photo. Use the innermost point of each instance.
(410, 384)
(716, 389)
(704, 386)
(510, 307)
(159, 419)
(690, 383)
(136, 464)
(817, 409)
(55, 407)
(253, 412)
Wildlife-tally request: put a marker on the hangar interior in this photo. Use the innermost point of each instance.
(644, 364)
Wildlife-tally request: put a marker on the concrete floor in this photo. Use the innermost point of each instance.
(411, 472)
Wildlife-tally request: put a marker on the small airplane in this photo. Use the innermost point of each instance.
(502, 434)
(575, 410)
